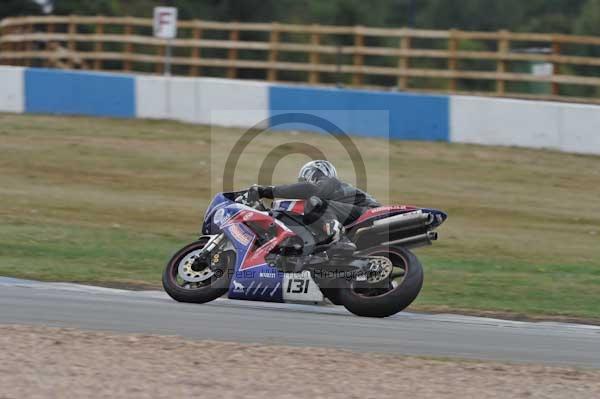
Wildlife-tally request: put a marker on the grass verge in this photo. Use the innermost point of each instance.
(107, 201)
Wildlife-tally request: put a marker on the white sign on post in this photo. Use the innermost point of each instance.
(165, 22)
(165, 27)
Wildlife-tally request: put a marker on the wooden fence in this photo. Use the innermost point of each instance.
(541, 66)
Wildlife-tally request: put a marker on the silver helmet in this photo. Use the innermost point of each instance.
(314, 170)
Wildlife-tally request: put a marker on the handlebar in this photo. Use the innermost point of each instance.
(245, 199)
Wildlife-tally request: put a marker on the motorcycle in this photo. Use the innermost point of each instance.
(251, 252)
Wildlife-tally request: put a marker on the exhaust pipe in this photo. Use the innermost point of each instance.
(395, 224)
(403, 222)
(420, 240)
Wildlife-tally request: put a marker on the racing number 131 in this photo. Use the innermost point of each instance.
(298, 286)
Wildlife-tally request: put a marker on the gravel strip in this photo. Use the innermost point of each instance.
(42, 362)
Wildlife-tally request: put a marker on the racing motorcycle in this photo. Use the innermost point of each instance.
(251, 252)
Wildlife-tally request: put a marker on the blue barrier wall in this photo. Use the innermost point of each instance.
(76, 93)
(394, 115)
(411, 116)
(404, 116)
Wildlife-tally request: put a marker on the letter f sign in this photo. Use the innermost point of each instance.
(165, 22)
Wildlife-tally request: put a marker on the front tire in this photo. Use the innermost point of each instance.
(198, 291)
(371, 303)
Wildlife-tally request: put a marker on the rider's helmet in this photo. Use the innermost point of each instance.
(314, 170)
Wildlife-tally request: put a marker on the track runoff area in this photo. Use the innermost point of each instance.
(443, 335)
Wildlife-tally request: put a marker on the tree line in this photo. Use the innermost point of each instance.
(549, 16)
(543, 16)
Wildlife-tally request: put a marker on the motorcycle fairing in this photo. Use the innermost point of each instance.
(293, 206)
(253, 279)
(219, 201)
(383, 212)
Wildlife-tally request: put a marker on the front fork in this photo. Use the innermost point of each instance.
(203, 258)
(213, 242)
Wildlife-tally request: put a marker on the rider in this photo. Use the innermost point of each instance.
(335, 202)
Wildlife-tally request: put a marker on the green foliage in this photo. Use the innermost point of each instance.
(11, 8)
(89, 7)
(588, 22)
(564, 16)
(546, 16)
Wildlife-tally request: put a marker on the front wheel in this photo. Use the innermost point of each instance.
(390, 295)
(187, 280)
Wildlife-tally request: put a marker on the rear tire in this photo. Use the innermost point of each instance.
(333, 294)
(394, 300)
(213, 288)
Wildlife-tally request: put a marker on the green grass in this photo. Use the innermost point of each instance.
(107, 201)
(110, 256)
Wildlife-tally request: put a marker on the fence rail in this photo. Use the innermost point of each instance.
(543, 66)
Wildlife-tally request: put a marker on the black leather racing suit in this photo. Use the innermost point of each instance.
(343, 201)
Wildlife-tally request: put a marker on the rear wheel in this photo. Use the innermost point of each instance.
(383, 297)
(333, 294)
(186, 279)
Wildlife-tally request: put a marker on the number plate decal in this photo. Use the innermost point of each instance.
(301, 287)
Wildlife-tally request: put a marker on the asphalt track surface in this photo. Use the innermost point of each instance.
(153, 312)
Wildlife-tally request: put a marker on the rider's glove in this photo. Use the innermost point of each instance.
(262, 191)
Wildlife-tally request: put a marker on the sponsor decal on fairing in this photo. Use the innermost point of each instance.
(240, 234)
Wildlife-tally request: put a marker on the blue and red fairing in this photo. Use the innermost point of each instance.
(218, 202)
(253, 278)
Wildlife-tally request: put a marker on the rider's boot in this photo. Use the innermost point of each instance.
(340, 245)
